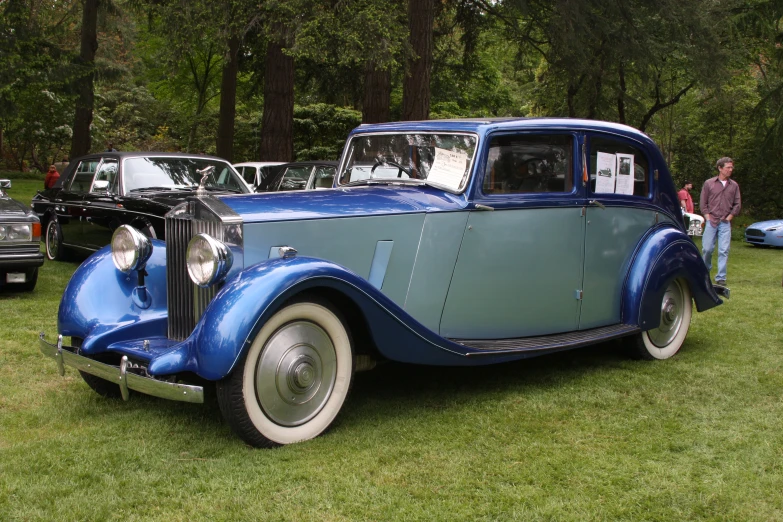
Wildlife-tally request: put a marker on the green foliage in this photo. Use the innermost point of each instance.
(320, 130)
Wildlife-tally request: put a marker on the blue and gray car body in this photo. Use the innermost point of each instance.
(423, 275)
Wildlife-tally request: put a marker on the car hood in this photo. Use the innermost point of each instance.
(342, 202)
(766, 224)
(171, 199)
(12, 208)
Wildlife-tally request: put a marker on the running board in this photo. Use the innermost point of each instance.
(546, 343)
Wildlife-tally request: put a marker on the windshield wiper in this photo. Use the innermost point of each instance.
(143, 189)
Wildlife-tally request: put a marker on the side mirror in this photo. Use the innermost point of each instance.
(5, 183)
(100, 185)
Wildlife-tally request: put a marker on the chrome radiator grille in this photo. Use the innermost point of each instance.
(186, 301)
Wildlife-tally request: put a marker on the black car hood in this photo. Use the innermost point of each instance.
(171, 199)
(11, 207)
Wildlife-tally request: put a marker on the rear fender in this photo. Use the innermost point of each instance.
(664, 254)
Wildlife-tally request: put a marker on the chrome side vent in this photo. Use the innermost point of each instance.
(186, 301)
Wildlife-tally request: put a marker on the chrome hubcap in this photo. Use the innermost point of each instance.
(296, 373)
(672, 309)
(51, 240)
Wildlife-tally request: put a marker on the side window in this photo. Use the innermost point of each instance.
(295, 178)
(248, 174)
(521, 164)
(617, 167)
(324, 177)
(106, 178)
(82, 178)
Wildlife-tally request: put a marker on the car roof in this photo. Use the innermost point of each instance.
(146, 154)
(258, 163)
(328, 163)
(483, 125)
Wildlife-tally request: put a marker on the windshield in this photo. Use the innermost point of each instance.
(440, 159)
(178, 173)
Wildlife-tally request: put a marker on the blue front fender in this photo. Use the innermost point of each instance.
(98, 304)
(663, 255)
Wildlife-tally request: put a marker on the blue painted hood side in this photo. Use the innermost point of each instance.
(342, 203)
(97, 305)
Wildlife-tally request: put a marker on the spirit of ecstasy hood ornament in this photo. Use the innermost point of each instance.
(205, 173)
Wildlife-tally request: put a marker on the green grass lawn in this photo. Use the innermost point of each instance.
(581, 435)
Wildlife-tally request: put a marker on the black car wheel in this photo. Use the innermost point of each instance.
(54, 241)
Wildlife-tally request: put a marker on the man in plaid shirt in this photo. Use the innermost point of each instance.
(719, 202)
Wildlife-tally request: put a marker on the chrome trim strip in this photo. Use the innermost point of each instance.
(126, 381)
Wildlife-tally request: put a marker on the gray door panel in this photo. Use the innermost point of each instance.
(610, 239)
(517, 274)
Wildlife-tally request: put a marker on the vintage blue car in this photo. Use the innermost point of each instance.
(765, 233)
(464, 242)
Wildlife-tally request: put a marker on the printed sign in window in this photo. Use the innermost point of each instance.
(448, 169)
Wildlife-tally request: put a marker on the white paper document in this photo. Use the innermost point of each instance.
(625, 174)
(606, 165)
(448, 168)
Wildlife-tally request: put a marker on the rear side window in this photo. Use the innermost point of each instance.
(521, 164)
(616, 167)
(82, 178)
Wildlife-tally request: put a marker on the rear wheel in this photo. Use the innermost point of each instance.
(54, 241)
(666, 340)
(294, 379)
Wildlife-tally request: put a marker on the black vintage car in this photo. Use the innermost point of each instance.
(99, 192)
(20, 236)
(300, 175)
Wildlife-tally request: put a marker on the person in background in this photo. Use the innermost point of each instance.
(51, 177)
(61, 165)
(720, 202)
(684, 195)
(110, 147)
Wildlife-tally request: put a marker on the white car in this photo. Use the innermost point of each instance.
(254, 172)
(694, 223)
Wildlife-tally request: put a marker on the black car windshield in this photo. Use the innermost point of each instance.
(178, 173)
(440, 159)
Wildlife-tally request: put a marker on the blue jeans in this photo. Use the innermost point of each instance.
(723, 233)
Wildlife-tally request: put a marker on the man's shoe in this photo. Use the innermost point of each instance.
(720, 282)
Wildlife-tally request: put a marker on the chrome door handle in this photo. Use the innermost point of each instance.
(598, 204)
(483, 207)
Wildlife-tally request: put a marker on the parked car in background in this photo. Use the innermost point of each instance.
(694, 224)
(444, 242)
(255, 172)
(20, 242)
(100, 192)
(300, 175)
(765, 233)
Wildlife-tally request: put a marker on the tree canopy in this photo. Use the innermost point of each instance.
(274, 79)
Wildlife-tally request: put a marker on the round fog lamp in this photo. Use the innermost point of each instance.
(130, 249)
(208, 260)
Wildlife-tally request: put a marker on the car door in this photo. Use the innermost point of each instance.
(70, 202)
(101, 213)
(519, 268)
(619, 213)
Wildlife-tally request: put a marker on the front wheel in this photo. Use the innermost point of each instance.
(294, 379)
(666, 340)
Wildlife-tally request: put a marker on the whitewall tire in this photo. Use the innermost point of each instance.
(666, 340)
(294, 379)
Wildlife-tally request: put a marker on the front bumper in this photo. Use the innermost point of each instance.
(66, 355)
(20, 261)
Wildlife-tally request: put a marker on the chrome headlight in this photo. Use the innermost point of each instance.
(16, 232)
(130, 249)
(208, 260)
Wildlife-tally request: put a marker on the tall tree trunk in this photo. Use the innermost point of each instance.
(277, 123)
(621, 96)
(81, 141)
(228, 102)
(416, 86)
(377, 94)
